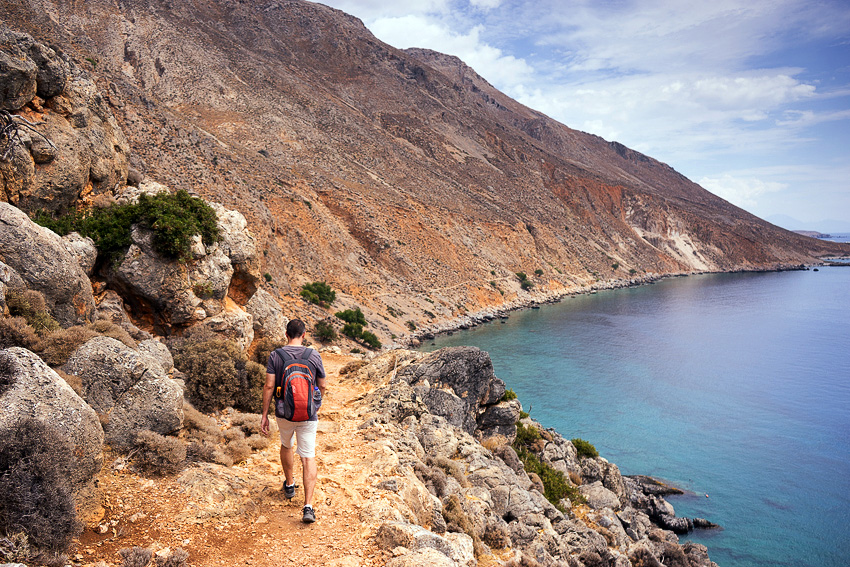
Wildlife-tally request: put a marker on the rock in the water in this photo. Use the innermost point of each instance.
(36, 391)
(129, 388)
(43, 262)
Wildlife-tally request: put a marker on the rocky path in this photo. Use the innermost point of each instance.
(236, 515)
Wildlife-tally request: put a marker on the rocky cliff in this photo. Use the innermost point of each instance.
(404, 179)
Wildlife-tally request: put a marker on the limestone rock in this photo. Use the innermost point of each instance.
(269, 320)
(37, 391)
(90, 155)
(41, 259)
(83, 249)
(10, 277)
(17, 76)
(130, 193)
(128, 387)
(500, 419)
(459, 380)
(456, 547)
(159, 352)
(598, 496)
(111, 308)
(233, 323)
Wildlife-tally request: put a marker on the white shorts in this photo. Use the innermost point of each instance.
(303, 431)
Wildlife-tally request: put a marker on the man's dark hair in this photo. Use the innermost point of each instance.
(295, 329)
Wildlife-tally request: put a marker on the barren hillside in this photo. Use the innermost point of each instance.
(402, 178)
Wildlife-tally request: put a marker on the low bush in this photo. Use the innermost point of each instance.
(218, 374)
(508, 395)
(177, 558)
(30, 305)
(556, 487)
(318, 293)
(15, 548)
(135, 557)
(35, 493)
(526, 435)
(61, 344)
(457, 520)
(370, 339)
(157, 455)
(173, 218)
(450, 467)
(72, 380)
(14, 331)
(584, 449)
(324, 331)
(264, 347)
(538, 272)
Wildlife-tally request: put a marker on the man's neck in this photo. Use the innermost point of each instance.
(298, 341)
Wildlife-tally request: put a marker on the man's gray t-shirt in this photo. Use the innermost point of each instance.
(276, 363)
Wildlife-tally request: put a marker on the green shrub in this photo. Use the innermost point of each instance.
(203, 290)
(508, 396)
(615, 265)
(538, 272)
(526, 435)
(324, 331)
(35, 493)
(522, 276)
(523, 414)
(526, 284)
(218, 374)
(319, 293)
(30, 305)
(411, 325)
(632, 271)
(157, 455)
(354, 316)
(555, 485)
(267, 276)
(584, 449)
(173, 218)
(370, 340)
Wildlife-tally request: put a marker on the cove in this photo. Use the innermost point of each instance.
(735, 386)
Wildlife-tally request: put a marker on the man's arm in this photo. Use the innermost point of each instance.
(320, 383)
(268, 390)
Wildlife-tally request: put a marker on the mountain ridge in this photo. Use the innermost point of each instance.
(401, 177)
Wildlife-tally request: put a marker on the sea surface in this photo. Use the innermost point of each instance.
(735, 387)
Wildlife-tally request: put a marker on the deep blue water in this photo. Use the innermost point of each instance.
(731, 385)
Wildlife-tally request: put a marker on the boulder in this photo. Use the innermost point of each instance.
(17, 76)
(158, 352)
(10, 277)
(599, 497)
(233, 323)
(459, 380)
(500, 419)
(43, 262)
(456, 547)
(128, 388)
(82, 248)
(269, 320)
(36, 391)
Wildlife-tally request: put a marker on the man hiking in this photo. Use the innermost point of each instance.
(295, 376)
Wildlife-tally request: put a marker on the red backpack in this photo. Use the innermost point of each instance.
(294, 387)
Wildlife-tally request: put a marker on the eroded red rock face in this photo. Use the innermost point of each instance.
(393, 175)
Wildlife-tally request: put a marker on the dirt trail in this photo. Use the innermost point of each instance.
(237, 515)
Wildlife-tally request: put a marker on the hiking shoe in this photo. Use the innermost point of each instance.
(309, 515)
(289, 491)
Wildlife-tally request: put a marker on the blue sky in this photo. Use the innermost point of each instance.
(750, 99)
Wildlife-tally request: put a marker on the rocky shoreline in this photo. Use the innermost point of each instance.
(458, 488)
(535, 300)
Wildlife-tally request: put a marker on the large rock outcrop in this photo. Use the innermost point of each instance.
(87, 152)
(34, 390)
(486, 497)
(129, 388)
(40, 257)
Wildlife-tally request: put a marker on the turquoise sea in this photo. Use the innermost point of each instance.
(734, 386)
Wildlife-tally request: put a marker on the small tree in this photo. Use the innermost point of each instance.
(319, 293)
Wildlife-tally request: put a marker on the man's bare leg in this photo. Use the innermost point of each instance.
(287, 461)
(308, 464)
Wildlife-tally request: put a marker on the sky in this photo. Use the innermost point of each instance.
(749, 98)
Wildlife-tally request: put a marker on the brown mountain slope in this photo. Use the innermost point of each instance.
(401, 177)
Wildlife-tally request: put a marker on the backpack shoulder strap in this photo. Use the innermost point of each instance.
(308, 352)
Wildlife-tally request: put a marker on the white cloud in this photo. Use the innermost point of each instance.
(744, 192)
(485, 4)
